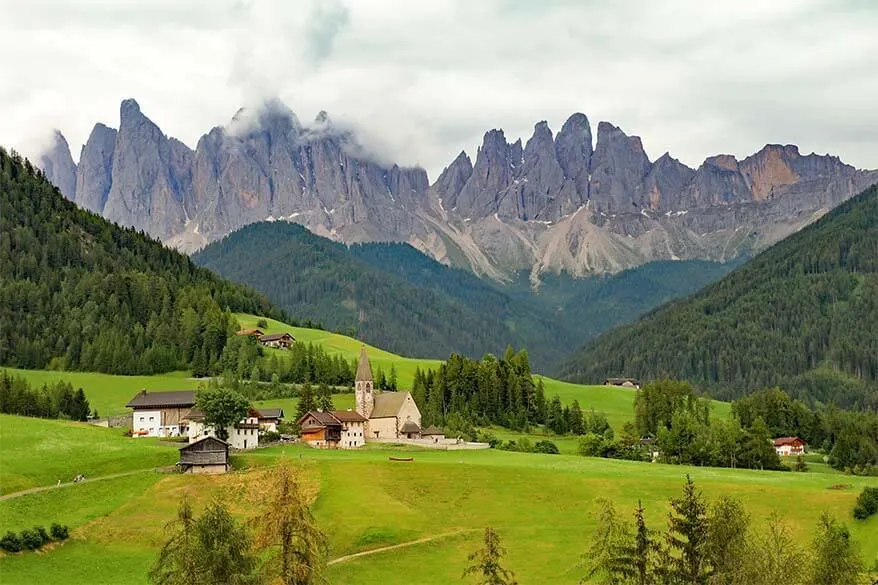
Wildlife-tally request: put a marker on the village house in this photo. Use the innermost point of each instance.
(389, 415)
(208, 455)
(161, 414)
(277, 340)
(623, 382)
(242, 435)
(433, 433)
(787, 446)
(337, 429)
(173, 414)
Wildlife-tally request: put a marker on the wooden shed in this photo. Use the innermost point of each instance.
(209, 455)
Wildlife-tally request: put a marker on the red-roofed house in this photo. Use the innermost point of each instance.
(786, 446)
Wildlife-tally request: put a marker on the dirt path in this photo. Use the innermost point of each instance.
(46, 488)
(375, 551)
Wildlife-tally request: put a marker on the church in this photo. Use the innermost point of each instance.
(389, 415)
(379, 415)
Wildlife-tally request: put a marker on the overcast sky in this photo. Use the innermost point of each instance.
(422, 80)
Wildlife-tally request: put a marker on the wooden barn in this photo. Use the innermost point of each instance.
(208, 455)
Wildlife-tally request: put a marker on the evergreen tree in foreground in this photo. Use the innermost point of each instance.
(177, 563)
(486, 563)
(288, 530)
(685, 559)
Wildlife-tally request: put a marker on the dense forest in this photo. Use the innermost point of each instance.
(802, 315)
(55, 400)
(80, 293)
(393, 296)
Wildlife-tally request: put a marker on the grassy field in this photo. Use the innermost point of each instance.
(542, 505)
(106, 392)
(36, 452)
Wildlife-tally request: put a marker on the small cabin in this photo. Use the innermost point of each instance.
(433, 433)
(277, 340)
(208, 455)
(623, 382)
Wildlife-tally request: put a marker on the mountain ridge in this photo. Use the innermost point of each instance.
(555, 203)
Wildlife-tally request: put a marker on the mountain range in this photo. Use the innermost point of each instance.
(560, 202)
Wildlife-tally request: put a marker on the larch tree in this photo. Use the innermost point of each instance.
(485, 563)
(177, 563)
(836, 560)
(286, 529)
(728, 527)
(607, 559)
(223, 549)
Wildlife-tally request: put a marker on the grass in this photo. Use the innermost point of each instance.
(543, 507)
(36, 452)
(107, 392)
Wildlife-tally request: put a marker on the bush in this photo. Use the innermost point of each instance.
(31, 539)
(10, 543)
(44, 536)
(867, 503)
(546, 447)
(800, 464)
(262, 324)
(269, 437)
(59, 532)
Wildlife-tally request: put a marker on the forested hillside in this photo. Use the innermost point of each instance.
(77, 292)
(803, 314)
(392, 295)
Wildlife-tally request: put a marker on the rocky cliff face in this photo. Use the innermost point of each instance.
(554, 203)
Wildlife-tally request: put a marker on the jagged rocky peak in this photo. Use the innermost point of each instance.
(663, 186)
(618, 166)
(95, 174)
(573, 147)
(57, 163)
(453, 178)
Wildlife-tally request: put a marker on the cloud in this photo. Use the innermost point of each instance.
(419, 81)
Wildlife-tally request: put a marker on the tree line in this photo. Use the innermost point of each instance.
(80, 293)
(52, 400)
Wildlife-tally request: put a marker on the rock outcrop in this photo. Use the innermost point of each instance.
(555, 203)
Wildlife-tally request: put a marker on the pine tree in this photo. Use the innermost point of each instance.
(324, 398)
(607, 559)
(640, 564)
(486, 565)
(685, 559)
(306, 400)
(288, 533)
(393, 379)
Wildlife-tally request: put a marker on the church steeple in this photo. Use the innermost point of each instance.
(363, 386)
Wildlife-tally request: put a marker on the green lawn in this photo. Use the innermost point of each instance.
(38, 452)
(543, 506)
(106, 392)
(339, 401)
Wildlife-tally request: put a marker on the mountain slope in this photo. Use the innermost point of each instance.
(312, 276)
(394, 296)
(77, 292)
(799, 313)
(555, 203)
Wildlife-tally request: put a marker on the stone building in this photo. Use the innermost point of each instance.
(389, 415)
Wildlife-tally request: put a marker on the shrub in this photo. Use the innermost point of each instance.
(44, 536)
(867, 503)
(546, 447)
(269, 437)
(800, 464)
(59, 532)
(262, 324)
(31, 539)
(10, 542)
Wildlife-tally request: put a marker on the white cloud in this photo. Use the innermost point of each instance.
(426, 79)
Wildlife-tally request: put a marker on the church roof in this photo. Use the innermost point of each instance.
(387, 404)
(364, 371)
(348, 416)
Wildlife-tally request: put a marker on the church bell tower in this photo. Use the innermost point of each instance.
(363, 386)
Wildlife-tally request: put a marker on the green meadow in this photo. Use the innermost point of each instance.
(542, 505)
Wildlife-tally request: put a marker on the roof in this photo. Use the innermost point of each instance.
(780, 441)
(387, 404)
(270, 412)
(206, 444)
(431, 430)
(324, 418)
(276, 337)
(410, 426)
(256, 332)
(173, 399)
(364, 370)
(348, 416)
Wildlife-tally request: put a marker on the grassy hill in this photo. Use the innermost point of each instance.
(803, 314)
(364, 502)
